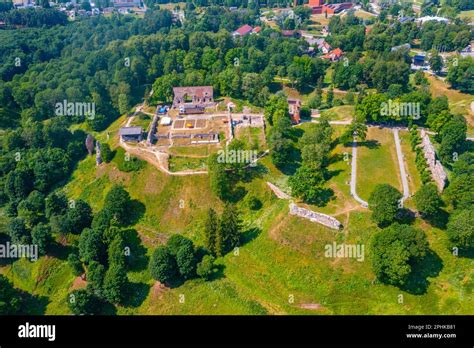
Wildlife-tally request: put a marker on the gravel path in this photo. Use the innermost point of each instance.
(354, 176)
(401, 165)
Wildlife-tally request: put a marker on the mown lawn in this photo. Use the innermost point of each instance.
(339, 113)
(178, 163)
(377, 162)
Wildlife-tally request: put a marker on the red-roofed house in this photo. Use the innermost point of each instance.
(243, 30)
(294, 108)
(319, 6)
(334, 55)
(256, 30)
(291, 33)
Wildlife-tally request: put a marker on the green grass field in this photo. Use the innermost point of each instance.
(177, 163)
(459, 103)
(340, 113)
(377, 162)
(280, 267)
(467, 14)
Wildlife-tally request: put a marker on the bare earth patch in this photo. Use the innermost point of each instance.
(158, 289)
(311, 306)
(78, 283)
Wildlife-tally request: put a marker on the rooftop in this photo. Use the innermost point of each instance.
(130, 131)
(243, 30)
(198, 91)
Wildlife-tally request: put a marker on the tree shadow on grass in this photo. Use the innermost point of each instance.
(33, 304)
(296, 133)
(136, 294)
(467, 253)
(439, 220)
(289, 169)
(218, 273)
(257, 171)
(324, 196)
(237, 194)
(136, 212)
(108, 308)
(249, 235)
(175, 283)
(332, 173)
(60, 251)
(336, 158)
(137, 260)
(430, 266)
(370, 144)
(406, 216)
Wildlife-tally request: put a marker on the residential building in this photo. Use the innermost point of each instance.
(127, 3)
(323, 46)
(404, 46)
(424, 19)
(291, 33)
(318, 7)
(334, 55)
(242, 31)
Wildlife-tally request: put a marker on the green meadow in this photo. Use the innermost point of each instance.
(281, 267)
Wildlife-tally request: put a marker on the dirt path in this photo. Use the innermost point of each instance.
(401, 165)
(354, 176)
(156, 158)
(278, 192)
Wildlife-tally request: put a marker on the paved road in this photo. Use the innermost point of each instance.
(354, 176)
(401, 165)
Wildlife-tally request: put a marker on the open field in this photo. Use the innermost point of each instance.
(467, 14)
(459, 103)
(377, 162)
(319, 19)
(339, 113)
(363, 14)
(193, 150)
(180, 163)
(253, 137)
(142, 120)
(280, 268)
